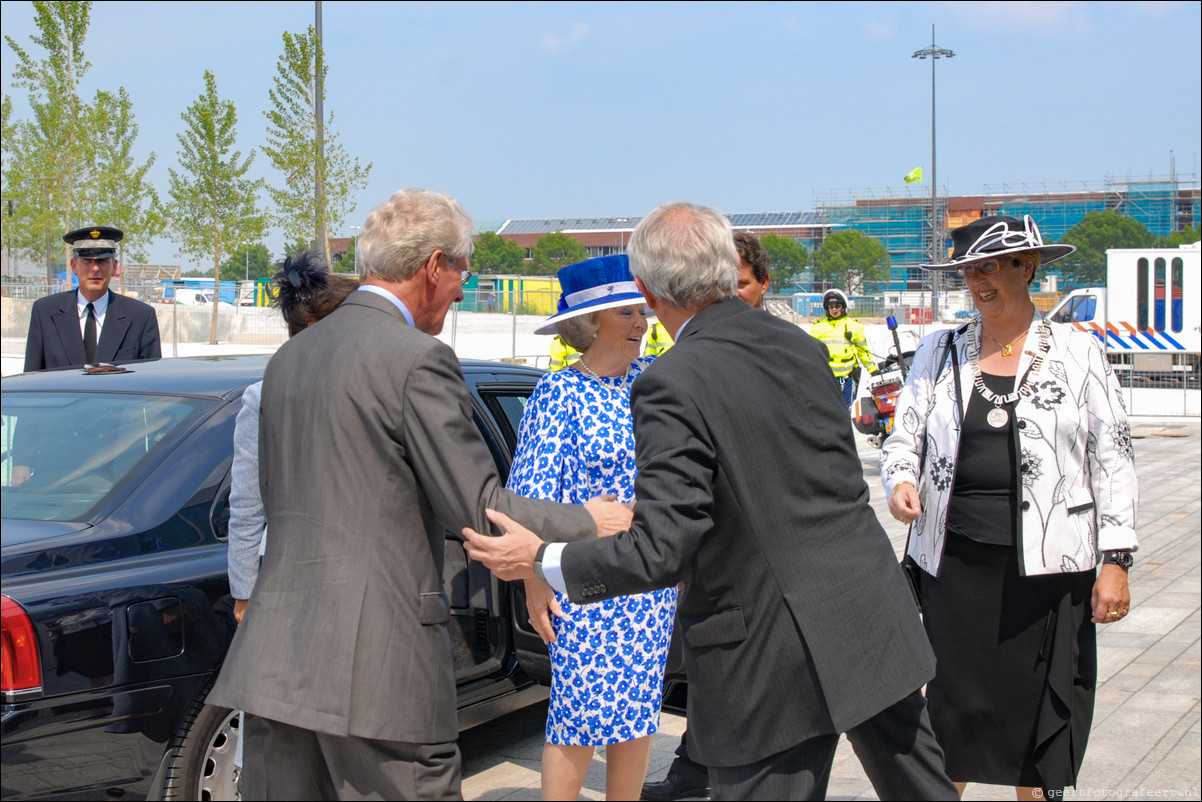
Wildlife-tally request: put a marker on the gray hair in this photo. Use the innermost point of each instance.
(685, 255)
(580, 331)
(399, 236)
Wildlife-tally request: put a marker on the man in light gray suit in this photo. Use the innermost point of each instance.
(796, 621)
(367, 450)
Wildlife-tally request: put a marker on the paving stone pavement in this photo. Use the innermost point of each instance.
(1146, 740)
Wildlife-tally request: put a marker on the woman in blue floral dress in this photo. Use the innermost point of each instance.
(577, 442)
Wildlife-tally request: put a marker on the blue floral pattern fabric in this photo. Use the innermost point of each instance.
(607, 659)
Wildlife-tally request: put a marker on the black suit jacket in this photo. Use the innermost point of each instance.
(796, 619)
(131, 332)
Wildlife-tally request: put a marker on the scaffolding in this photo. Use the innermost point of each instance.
(899, 218)
(1162, 203)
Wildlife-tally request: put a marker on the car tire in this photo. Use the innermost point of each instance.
(200, 763)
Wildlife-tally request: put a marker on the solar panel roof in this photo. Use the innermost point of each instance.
(550, 224)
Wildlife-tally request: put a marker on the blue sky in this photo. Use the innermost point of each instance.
(565, 109)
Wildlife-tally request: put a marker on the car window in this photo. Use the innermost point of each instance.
(65, 454)
(505, 404)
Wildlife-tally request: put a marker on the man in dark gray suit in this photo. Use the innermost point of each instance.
(796, 620)
(367, 450)
(92, 324)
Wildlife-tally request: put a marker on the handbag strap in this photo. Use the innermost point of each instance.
(947, 349)
(922, 460)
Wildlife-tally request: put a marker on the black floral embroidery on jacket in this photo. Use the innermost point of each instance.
(941, 469)
(1120, 434)
(901, 466)
(1032, 468)
(1047, 395)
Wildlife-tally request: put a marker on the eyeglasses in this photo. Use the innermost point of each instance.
(464, 277)
(986, 268)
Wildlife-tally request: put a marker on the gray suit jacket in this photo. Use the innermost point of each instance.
(796, 619)
(131, 332)
(367, 450)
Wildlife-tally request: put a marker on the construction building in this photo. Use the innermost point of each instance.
(901, 218)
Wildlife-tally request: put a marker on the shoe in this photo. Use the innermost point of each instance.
(677, 786)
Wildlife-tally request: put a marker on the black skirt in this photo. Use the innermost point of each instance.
(1012, 698)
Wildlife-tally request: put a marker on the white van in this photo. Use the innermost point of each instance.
(188, 296)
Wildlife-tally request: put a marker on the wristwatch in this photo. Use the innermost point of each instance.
(1122, 558)
(538, 562)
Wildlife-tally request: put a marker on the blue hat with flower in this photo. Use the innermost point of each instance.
(592, 285)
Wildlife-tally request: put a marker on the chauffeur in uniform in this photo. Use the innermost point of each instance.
(92, 324)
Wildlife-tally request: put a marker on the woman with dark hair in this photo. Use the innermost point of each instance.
(1011, 459)
(305, 292)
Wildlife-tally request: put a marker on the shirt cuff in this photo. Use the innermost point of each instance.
(552, 569)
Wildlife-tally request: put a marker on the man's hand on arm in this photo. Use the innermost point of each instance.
(610, 516)
(510, 555)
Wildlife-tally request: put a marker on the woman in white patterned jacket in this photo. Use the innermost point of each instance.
(1011, 459)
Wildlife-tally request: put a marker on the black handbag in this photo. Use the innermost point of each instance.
(912, 572)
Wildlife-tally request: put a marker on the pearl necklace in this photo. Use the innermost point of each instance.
(998, 417)
(598, 377)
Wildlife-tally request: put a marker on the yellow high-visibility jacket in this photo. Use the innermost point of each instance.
(658, 340)
(562, 354)
(845, 342)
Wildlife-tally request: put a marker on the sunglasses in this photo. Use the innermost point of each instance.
(464, 277)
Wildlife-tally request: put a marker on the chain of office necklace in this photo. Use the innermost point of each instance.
(590, 372)
(999, 417)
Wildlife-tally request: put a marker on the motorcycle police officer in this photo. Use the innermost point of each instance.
(845, 341)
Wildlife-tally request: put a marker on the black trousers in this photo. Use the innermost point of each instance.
(282, 762)
(683, 764)
(896, 747)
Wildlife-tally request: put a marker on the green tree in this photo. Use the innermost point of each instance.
(1189, 235)
(555, 250)
(118, 193)
(248, 262)
(214, 206)
(788, 256)
(1096, 232)
(318, 183)
(495, 254)
(850, 260)
(47, 152)
(7, 133)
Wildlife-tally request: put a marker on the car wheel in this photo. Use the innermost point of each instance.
(200, 763)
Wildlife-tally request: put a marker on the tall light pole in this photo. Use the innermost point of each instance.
(319, 93)
(934, 53)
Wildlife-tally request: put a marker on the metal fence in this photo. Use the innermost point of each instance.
(1160, 384)
(1157, 384)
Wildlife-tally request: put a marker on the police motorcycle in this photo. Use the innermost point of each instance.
(874, 410)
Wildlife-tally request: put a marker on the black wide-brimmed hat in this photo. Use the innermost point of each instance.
(94, 242)
(990, 237)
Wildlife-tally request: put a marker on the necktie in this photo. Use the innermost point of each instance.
(89, 336)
